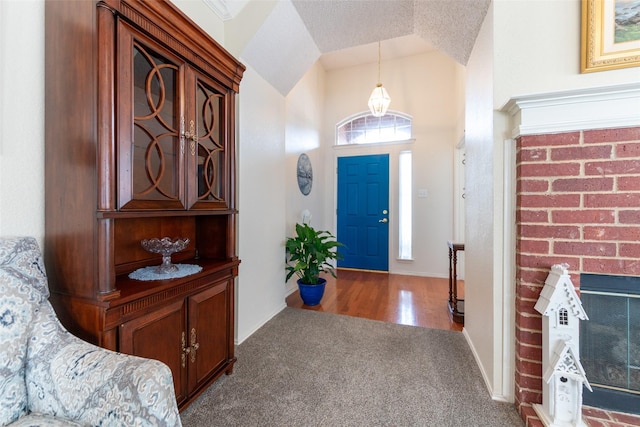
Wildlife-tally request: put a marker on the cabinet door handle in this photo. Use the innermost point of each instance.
(194, 345)
(191, 135)
(185, 350)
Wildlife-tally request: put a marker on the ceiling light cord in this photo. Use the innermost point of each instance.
(379, 54)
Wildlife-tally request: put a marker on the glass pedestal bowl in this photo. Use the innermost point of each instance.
(165, 246)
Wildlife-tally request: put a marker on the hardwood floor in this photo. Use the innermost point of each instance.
(406, 300)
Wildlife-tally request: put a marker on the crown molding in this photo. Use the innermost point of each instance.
(573, 110)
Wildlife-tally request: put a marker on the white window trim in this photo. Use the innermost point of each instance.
(365, 114)
(364, 147)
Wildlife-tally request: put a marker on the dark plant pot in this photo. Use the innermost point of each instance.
(311, 294)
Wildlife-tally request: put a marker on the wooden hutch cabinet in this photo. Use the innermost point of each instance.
(140, 143)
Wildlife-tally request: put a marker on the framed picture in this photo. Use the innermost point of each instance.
(610, 35)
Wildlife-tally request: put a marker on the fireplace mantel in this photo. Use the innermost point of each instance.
(574, 110)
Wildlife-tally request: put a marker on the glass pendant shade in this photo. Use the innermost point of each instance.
(379, 101)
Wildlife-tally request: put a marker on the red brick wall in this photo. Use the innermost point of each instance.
(578, 202)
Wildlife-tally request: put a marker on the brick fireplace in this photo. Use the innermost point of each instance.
(577, 202)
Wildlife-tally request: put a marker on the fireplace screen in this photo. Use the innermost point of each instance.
(610, 341)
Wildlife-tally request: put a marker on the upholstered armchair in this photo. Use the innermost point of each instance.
(49, 377)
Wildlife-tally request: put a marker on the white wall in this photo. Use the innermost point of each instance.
(22, 118)
(425, 86)
(479, 168)
(303, 135)
(525, 47)
(304, 124)
(240, 30)
(537, 50)
(261, 202)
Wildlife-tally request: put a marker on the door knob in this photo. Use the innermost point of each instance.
(383, 220)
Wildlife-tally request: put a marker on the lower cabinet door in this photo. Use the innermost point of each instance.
(159, 335)
(210, 332)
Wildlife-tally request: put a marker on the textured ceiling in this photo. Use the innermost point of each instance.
(450, 25)
(343, 33)
(338, 24)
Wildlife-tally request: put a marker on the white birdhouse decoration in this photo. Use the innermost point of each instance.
(563, 375)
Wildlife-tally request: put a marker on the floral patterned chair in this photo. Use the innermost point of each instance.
(49, 377)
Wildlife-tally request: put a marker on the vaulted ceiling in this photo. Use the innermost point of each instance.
(297, 33)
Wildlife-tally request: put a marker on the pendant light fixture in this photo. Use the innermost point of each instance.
(379, 100)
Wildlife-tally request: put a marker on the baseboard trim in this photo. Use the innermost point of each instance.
(485, 378)
(239, 340)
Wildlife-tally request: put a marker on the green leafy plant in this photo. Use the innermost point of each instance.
(309, 253)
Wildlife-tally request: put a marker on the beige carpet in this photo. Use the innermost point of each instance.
(306, 368)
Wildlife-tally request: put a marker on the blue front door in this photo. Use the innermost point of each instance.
(363, 211)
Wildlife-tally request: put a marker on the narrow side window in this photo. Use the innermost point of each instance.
(405, 208)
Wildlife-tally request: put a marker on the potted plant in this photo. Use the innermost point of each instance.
(308, 255)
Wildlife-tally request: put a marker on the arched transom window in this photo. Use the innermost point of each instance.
(364, 128)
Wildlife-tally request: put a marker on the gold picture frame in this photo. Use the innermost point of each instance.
(605, 44)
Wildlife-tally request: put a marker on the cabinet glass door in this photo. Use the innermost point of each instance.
(208, 188)
(151, 162)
